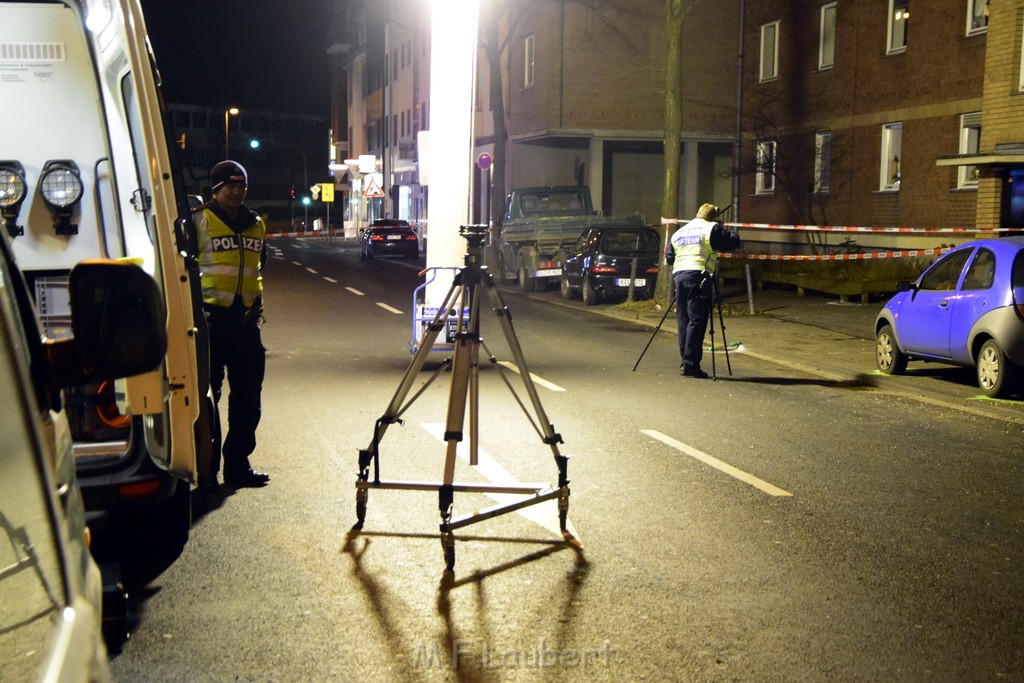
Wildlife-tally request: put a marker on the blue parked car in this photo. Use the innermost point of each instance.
(966, 309)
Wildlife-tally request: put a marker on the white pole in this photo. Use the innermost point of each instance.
(452, 66)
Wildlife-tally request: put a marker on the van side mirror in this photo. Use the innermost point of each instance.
(117, 321)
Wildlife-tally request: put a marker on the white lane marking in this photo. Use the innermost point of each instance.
(543, 514)
(310, 270)
(535, 378)
(355, 291)
(746, 477)
(390, 309)
(331, 280)
(296, 263)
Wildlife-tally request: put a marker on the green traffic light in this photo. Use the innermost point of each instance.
(254, 143)
(305, 200)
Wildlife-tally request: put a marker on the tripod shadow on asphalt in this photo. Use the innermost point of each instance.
(466, 667)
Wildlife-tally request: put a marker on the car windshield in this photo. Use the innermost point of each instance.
(551, 202)
(627, 242)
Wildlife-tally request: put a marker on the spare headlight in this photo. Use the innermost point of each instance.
(61, 184)
(12, 184)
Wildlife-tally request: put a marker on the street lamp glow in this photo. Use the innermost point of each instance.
(231, 111)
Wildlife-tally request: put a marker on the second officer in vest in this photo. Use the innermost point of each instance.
(232, 250)
(692, 251)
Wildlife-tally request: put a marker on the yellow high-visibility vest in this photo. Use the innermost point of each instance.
(229, 262)
(692, 246)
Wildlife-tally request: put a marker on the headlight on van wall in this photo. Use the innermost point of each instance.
(60, 184)
(12, 194)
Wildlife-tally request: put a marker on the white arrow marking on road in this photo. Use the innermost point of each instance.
(355, 291)
(543, 514)
(746, 477)
(331, 280)
(535, 378)
(390, 309)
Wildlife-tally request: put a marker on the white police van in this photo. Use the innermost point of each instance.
(87, 170)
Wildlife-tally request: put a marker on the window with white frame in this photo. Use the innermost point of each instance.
(528, 61)
(977, 16)
(769, 51)
(970, 143)
(765, 163)
(899, 16)
(892, 141)
(822, 161)
(827, 39)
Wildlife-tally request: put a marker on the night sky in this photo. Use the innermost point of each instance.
(261, 54)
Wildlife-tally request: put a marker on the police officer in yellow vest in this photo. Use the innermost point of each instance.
(232, 250)
(692, 251)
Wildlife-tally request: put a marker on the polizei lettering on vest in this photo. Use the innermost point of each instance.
(231, 243)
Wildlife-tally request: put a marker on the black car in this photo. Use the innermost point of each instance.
(601, 264)
(389, 237)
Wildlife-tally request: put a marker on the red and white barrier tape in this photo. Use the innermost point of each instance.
(873, 256)
(848, 228)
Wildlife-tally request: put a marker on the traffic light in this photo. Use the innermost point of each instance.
(291, 192)
(305, 201)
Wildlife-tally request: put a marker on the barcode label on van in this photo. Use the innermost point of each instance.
(26, 53)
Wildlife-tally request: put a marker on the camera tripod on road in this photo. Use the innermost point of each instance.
(466, 293)
(711, 280)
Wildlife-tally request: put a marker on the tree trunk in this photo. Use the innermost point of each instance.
(674, 13)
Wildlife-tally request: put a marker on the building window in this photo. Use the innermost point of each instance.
(822, 161)
(970, 143)
(769, 51)
(892, 140)
(765, 167)
(977, 16)
(899, 15)
(528, 61)
(827, 41)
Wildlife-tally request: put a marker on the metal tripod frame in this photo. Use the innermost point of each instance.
(717, 303)
(465, 293)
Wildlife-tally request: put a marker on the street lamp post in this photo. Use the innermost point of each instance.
(233, 111)
(255, 144)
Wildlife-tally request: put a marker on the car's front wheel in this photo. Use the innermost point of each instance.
(997, 374)
(890, 359)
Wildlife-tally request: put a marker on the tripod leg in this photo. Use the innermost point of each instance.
(711, 319)
(721, 323)
(655, 334)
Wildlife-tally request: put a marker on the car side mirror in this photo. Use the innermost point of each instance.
(117, 321)
(905, 286)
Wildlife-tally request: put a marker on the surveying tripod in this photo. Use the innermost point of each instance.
(465, 294)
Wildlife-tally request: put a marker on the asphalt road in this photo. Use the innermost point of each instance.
(799, 519)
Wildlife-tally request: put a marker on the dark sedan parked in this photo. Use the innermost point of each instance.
(389, 237)
(601, 264)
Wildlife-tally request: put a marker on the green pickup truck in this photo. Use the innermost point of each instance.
(540, 224)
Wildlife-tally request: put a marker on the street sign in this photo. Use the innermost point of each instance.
(327, 192)
(373, 189)
(315, 189)
(484, 160)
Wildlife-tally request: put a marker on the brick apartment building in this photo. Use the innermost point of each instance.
(583, 95)
(868, 113)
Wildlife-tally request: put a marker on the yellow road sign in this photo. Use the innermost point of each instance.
(327, 192)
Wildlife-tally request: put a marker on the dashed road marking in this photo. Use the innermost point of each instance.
(331, 280)
(310, 270)
(543, 514)
(536, 380)
(389, 309)
(745, 477)
(355, 291)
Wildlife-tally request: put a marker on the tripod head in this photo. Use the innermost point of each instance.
(475, 235)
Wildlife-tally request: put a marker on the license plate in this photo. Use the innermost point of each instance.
(624, 282)
(549, 272)
(394, 237)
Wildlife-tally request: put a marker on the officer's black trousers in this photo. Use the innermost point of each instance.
(693, 304)
(236, 349)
